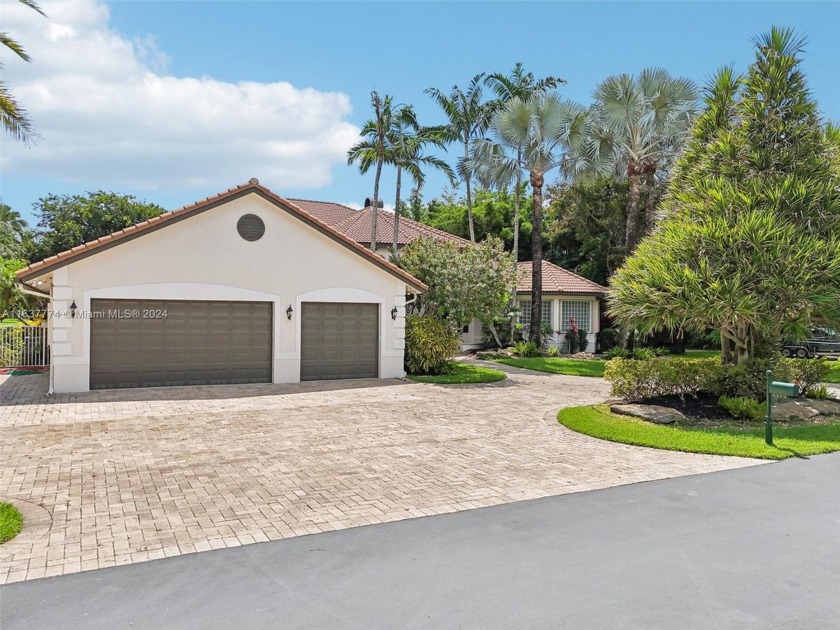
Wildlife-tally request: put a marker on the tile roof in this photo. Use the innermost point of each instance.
(252, 186)
(330, 213)
(556, 280)
(358, 227)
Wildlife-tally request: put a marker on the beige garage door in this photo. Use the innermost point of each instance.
(147, 343)
(339, 341)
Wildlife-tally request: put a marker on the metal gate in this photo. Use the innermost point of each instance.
(24, 346)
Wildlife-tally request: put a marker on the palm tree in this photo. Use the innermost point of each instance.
(467, 116)
(12, 115)
(637, 127)
(12, 218)
(374, 149)
(407, 141)
(496, 163)
(538, 128)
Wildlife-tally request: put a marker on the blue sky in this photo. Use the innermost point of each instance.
(175, 101)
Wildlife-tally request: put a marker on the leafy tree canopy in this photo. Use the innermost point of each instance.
(464, 282)
(750, 244)
(492, 215)
(585, 226)
(66, 221)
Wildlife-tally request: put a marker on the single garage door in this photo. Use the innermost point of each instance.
(339, 341)
(147, 343)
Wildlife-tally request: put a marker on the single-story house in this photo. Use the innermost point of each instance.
(565, 295)
(243, 287)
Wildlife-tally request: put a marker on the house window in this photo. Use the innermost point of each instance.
(580, 311)
(525, 312)
(466, 328)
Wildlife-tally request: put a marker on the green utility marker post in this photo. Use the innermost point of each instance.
(768, 421)
(776, 387)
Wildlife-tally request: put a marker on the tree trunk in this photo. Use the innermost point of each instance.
(650, 201)
(397, 210)
(495, 334)
(516, 209)
(375, 214)
(632, 233)
(469, 194)
(536, 262)
(725, 348)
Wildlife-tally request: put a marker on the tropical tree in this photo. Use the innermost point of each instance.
(495, 162)
(750, 240)
(407, 140)
(66, 221)
(12, 115)
(467, 116)
(11, 297)
(636, 127)
(464, 282)
(584, 226)
(540, 127)
(14, 233)
(373, 150)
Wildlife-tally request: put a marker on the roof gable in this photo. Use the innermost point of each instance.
(147, 227)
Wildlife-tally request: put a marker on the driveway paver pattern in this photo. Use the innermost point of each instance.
(134, 475)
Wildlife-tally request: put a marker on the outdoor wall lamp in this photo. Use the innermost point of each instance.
(73, 308)
(394, 312)
(289, 312)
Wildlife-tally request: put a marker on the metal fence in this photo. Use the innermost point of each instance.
(24, 346)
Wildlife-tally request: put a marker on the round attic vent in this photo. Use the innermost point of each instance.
(250, 227)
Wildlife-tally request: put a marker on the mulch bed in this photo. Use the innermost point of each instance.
(703, 407)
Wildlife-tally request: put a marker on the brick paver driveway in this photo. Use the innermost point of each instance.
(134, 475)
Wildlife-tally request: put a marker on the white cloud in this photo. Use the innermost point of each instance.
(107, 111)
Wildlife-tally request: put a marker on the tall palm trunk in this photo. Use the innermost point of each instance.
(517, 194)
(536, 259)
(375, 214)
(650, 201)
(634, 171)
(397, 209)
(469, 193)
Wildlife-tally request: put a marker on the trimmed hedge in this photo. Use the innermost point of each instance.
(632, 379)
(651, 378)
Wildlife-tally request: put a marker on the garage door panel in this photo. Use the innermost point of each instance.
(194, 343)
(339, 340)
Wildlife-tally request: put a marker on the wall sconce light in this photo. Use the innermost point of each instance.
(73, 308)
(394, 312)
(289, 312)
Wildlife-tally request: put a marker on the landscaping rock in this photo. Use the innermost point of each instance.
(804, 408)
(652, 413)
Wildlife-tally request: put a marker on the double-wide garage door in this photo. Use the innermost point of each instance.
(147, 343)
(339, 341)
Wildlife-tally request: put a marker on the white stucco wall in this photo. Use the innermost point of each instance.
(204, 258)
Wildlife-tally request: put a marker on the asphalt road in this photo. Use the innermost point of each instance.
(757, 547)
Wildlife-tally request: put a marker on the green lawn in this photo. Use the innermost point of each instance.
(574, 367)
(790, 441)
(11, 521)
(462, 373)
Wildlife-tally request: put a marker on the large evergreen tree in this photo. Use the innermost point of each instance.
(751, 240)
